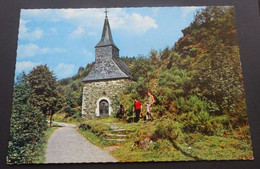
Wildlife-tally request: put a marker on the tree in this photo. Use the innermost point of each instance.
(210, 41)
(27, 126)
(44, 94)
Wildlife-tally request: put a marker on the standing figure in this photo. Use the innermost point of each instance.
(137, 108)
(149, 104)
(121, 112)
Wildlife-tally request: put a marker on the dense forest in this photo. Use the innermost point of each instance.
(197, 84)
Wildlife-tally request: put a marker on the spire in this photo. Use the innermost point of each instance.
(106, 11)
(106, 38)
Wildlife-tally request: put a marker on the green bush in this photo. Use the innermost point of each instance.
(95, 127)
(64, 81)
(27, 127)
(74, 86)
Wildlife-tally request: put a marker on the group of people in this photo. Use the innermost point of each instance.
(137, 108)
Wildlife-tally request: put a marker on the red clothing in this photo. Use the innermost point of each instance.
(137, 105)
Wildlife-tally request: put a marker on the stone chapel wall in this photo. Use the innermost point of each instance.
(93, 91)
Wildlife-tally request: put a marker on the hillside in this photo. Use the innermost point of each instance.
(198, 87)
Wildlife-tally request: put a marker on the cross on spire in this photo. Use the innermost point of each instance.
(106, 38)
(106, 11)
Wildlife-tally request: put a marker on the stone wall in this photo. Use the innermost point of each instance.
(110, 90)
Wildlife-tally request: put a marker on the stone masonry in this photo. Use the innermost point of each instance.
(95, 91)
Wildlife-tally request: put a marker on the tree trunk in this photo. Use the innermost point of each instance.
(50, 117)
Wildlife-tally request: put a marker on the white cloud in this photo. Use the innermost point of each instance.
(64, 70)
(77, 32)
(140, 24)
(52, 15)
(24, 66)
(30, 50)
(134, 22)
(187, 10)
(94, 18)
(26, 34)
(58, 50)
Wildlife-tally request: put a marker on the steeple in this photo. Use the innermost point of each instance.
(106, 38)
(106, 11)
(108, 65)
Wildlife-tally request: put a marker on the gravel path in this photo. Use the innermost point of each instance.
(66, 145)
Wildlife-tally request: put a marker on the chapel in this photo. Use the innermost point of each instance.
(107, 79)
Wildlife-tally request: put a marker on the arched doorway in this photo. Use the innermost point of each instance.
(103, 108)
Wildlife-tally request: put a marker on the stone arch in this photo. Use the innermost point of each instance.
(98, 106)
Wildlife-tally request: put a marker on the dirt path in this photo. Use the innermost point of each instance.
(66, 145)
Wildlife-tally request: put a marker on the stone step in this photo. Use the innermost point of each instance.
(114, 127)
(119, 130)
(119, 140)
(115, 135)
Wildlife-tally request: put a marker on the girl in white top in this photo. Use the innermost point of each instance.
(149, 103)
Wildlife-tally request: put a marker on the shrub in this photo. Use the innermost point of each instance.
(64, 81)
(26, 128)
(95, 127)
(74, 86)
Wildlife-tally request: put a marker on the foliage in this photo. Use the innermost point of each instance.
(162, 150)
(198, 89)
(219, 148)
(199, 80)
(217, 61)
(200, 103)
(70, 95)
(43, 84)
(169, 142)
(27, 126)
(95, 126)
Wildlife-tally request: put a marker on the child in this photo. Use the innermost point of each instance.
(149, 104)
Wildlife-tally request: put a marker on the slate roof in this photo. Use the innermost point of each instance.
(106, 38)
(108, 68)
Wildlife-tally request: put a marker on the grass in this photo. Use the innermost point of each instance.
(48, 134)
(94, 139)
(220, 148)
(61, 117)
(178, 147)
(95, 129)
(162, 150)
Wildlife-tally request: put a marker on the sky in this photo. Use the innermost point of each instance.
(65, 39)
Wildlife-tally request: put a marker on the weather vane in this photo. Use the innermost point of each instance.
(106, 11)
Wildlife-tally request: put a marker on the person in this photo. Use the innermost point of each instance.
(121, 112)
(137, 108)
(149, 104)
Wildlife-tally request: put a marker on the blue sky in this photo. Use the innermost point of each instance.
(64, 39)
